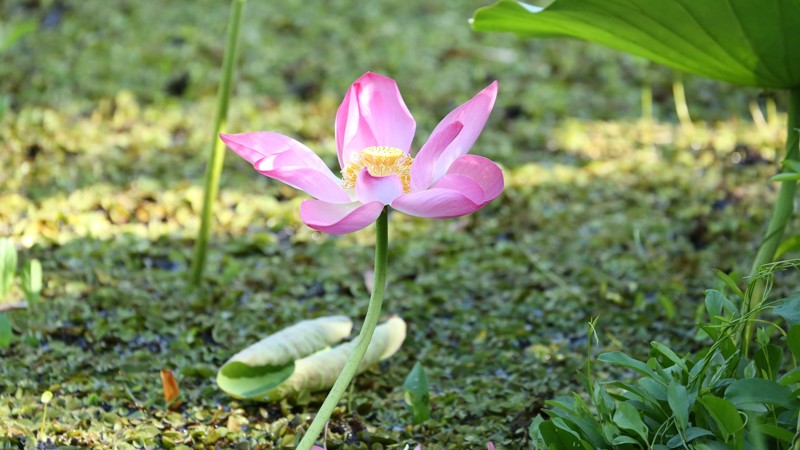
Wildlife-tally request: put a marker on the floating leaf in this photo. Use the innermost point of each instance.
(417, 395)
(298, 359)
(740, 41)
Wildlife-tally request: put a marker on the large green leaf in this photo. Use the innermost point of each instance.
(299, 359)
(746, 42)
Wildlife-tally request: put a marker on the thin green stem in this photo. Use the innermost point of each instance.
(681, 107)
(44, 422)
(647, 101)
(364, 337)
(214, 167)
(772, 110)
(781, 213)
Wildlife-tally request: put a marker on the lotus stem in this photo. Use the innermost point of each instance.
(681, 107)
(772, 109)
(364, 337)
(647, 94)
(214, 167)
(781, 213)
(758, 116)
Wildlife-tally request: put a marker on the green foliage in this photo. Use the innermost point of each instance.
(417, 393)
(739, 41)
(10, 34)
(714, 398)
(5, 331)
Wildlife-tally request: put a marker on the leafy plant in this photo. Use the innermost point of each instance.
(716, 398)
(417, 395)
(31, 283)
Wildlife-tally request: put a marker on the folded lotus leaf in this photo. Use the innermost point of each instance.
(319, 371)
(267, 363)
(746, 42)
(263, 371)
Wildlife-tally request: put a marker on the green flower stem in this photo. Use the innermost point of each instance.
(362, 342)
(782, 212)
(214, 167)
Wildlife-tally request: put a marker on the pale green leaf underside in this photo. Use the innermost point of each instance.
(305, 366)
(746, 42)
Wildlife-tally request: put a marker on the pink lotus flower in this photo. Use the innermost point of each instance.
(374, 130)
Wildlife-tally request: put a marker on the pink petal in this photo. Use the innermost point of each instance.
(377, 189)
(473, 114)
(281, 157)
(424, 165)
(339, 218)
(490, 446)
(352, 131)
(483, 171)
(472, 182)
(372, 114)
(437, 203)
(463, 184)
